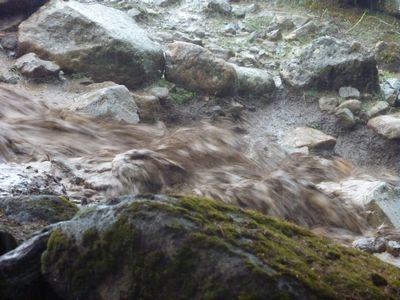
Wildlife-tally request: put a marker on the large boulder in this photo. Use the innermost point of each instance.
(387, 126)
(110, 101)
(329, 64)
(190, 248)
(196, 68)
(100, 41)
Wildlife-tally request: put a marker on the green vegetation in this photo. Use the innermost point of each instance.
(197, 245)
(177, 94)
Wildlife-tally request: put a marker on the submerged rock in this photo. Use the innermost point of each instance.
(112, 101)
(388, 125)
(98, 40)
(328, 64)
(195, 68)
(379, 108)
(328, 104)
(379, 199)
(348, 92)
(190, 248)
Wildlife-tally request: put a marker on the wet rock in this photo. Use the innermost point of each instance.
(9, 78)
(349, 92)
(19, 6)
(329, 64)
(255, 82)
(28, 179)
(328, 104)
(149, 106)
(112, 102)
(20, 276)
(391, 91)
(31, 66)
(105, 43)
(195, 68)
(370, 245)
(169, 250)
(379, 199)
(388, 56)
(309, 137)
(7, 242)
(47, 209)
(381, 107)
(388, 125)
(218, 7)
(393, 247)
(345, 118)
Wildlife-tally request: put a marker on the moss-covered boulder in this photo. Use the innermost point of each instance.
(195, 248)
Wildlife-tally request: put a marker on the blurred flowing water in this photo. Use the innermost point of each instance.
(204, 159)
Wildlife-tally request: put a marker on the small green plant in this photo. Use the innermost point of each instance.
(316, 125)
(181, 96)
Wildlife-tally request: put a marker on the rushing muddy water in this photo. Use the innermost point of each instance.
(204, 159)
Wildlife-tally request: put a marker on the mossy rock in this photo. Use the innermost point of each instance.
(196, 248)
(46, 209)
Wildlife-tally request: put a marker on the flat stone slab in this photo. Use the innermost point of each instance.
(309, 137)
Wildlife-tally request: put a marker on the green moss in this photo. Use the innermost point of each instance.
(204, 233)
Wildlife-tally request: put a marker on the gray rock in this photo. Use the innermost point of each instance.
(28, 179)
(195, 68)
(218, 7)
(113, 102)
(134, 13)
(308, 137)
(370, 245)
(160, 92)
(101, 41)
(388, 125)
(393, 247)
(353, 105)
(255, 82)
(391, 91)
(345, 118)
(37, 208)
(31, 66)
(273, 35)
(328, 64)
(9, 41)
(328, 104)
(381, 107)
(284, 23)
(349, 92)
(168, 243)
